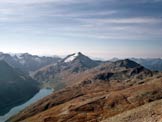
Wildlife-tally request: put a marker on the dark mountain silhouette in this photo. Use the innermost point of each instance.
(15, 87)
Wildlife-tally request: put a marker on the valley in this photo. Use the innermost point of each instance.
(95, 94)
(15, 110)
(86, 90)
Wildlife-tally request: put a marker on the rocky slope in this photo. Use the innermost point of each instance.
(102, 94)
(150, 112)
(15, 87)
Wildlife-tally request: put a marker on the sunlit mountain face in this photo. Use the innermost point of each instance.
(80, 61)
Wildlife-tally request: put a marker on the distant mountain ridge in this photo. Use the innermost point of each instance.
(154, 64)
(15, 87)
(27, 62)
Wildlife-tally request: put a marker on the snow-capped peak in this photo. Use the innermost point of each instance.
(71, 57)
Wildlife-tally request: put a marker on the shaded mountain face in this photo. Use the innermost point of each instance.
(27, 62)
(104, 92)
(122, 70)
(152, 64)
(15, 87)
(68, 67)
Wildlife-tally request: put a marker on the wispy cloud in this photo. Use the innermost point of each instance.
(128, 20)
(44, 1)
(81, 19)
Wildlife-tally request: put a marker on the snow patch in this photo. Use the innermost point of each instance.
(71, 58)
(19, 56)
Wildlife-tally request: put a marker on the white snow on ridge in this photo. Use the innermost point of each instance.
(19, 56)
(71, 58)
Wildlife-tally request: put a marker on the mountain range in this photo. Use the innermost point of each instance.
(27, 62)
(86, 90)
(102, 94)
(31, 63)
(152, 64)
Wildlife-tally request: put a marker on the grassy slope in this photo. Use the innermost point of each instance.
(93, 103)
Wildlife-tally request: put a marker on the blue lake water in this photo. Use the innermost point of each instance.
(42, 93)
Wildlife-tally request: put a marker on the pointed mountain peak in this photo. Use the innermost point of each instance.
(70, 57)
(73, 56)
(79, 53)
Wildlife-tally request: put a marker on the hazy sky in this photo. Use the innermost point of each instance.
(99, 28)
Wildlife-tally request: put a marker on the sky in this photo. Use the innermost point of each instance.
(98, 28)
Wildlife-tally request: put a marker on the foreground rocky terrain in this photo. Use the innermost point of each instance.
(151, 112)
(120, 91)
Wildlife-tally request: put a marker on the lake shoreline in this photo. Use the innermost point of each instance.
(15, 110)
